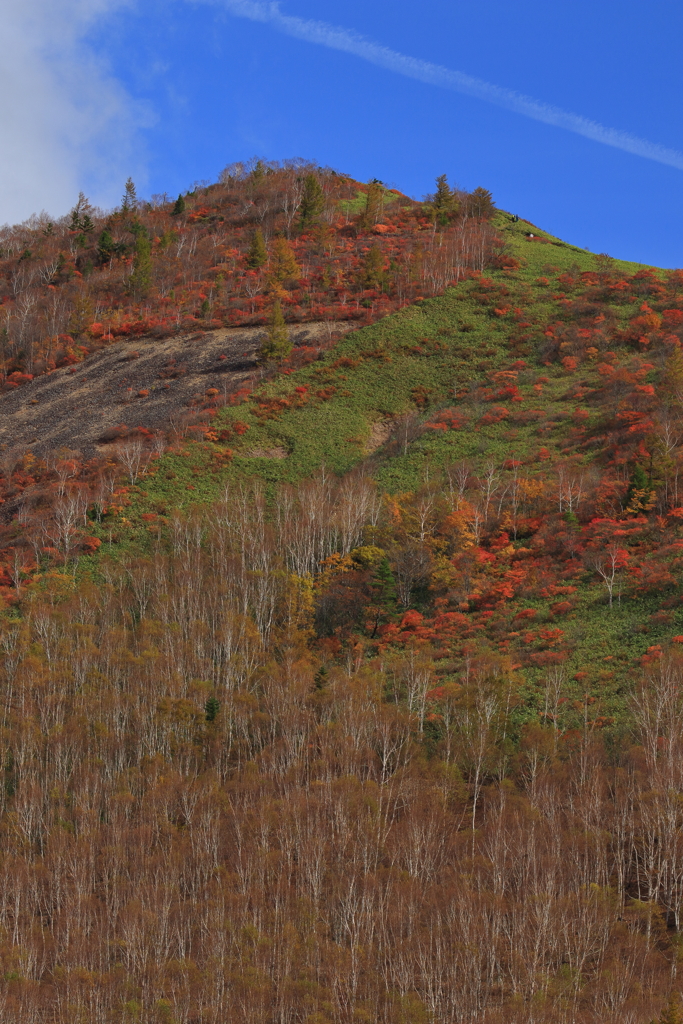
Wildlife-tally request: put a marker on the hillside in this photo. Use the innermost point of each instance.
(345, 686)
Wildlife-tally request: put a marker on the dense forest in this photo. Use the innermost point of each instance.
(355, 695)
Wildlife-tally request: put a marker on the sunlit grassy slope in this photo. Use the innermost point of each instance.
(460, 342)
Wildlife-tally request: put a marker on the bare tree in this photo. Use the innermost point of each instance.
(134, 456)
(608, 563)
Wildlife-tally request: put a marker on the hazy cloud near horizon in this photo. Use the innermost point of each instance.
(66, 123)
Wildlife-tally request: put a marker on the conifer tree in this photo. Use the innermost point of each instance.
(80, 215)
(259, 172)
(179, 206)
(384, 582)
(443, 201)
(129, 201)
(81, 316)
(140, 279)
(211, 709)
(312, 202)
(276, 346)
(373, 268)
(105, 246)
(257, 254)
(480, 204)
(640, 496)
(374, 203)
(443, 195)
(283, 264)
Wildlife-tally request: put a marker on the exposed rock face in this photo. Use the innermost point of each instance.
(140, 383)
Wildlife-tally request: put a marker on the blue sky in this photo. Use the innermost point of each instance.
(171, 92)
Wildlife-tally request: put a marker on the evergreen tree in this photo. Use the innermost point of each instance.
(321, 679)
(257, 254)
(179, 206)
(140, 280)
(384, 583)
(443, 201)
(211, 709)
(373, 268)
(283, 264)
(443, 197)
(276, 346)
(312, 202)
(380, 580)
(638, 479)
(639, 496)
(80, 215)
(166, 239)
(259, 172)
(374, 203)
(81, 316)
(130, 198)
(480, 204)
(107, 248)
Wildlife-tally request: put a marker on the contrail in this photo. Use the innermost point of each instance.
(336, 38)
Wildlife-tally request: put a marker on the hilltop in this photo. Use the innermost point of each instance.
(341, 684)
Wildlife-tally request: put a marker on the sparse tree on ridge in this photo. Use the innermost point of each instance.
(312, 202)
(80, 215)
(480, 204)
(129, 201)
(443, 202)
(374, 204)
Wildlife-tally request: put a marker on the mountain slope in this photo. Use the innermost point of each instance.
(521, 383)
(477, 383)
(356, 695)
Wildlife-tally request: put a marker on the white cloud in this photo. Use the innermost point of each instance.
(65, 122)
(335, 38)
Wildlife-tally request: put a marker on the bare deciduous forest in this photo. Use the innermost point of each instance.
(201, 821)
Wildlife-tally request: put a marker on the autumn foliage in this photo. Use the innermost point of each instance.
(327, 247)
(399, 744)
